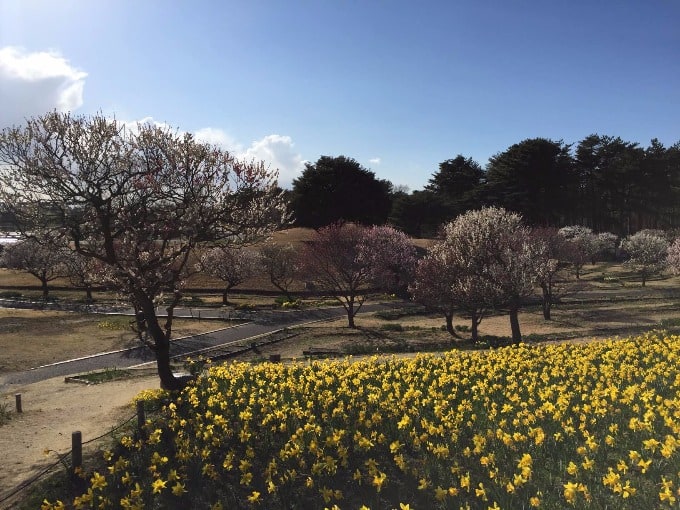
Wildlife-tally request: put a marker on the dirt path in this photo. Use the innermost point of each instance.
(53, 410)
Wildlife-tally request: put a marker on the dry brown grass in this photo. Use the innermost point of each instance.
(30, 338)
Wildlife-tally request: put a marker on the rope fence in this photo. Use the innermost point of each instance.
(76, 451)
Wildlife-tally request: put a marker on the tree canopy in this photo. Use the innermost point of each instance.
(457, 185)
(339, 189)
(139, 201)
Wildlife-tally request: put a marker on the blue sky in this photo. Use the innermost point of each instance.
(398, 85)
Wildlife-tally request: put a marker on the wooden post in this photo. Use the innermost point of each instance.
(17, 398)
(141, 417)
(76, 450)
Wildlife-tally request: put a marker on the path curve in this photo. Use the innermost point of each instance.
(262, 323)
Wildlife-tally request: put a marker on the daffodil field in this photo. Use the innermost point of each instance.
(592, 425)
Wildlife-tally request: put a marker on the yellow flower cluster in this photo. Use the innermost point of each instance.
(553, 426)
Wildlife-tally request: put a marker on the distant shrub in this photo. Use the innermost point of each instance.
(392, 327)
(398, 313)
(5, 414)
(10, 294)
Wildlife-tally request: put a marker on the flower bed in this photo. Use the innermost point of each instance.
(592, 425)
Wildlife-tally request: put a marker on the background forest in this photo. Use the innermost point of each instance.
(602, 182)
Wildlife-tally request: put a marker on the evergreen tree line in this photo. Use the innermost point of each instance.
(602, 182)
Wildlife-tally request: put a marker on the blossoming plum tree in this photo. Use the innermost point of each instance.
(138, 200)
(231, 264)
(39, 257)
(443, 285)
(492, 244)
(647, 252)
(280, 263)
(344, 258)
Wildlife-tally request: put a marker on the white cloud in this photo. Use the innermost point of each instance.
(36, 83)
(374, 161)
(277, 151)
(218, 137)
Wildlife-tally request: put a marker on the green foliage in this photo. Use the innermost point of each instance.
(106, 375)
(671, 323)
(245, 306)
(192, 301)
(5, 413)
(284, 302)
(534, 177)
(115, 323)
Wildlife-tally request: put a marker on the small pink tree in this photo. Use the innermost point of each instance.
(583, 246)
(441, 285)
(332, 258)
(231, 264)
(345, 258)
(553, 258)
(83, 272)
(390, 257)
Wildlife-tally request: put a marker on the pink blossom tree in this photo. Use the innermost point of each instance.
(441, 285)
(83, 273)
(231, 264)
(344, 258)
(390, 257)
(140, 201)
(557, 250)
(280, 263)
(580, 247)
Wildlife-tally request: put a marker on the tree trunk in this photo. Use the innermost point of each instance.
(547, 300)
(644, 278)
(225, 298)
(45, 290)
(514, 325)
(473, 326)
(161, 347)
(283, 289)
(350, 314)
(449, 324)
(88, 294)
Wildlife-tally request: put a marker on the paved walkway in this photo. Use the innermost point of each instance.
(262, 323)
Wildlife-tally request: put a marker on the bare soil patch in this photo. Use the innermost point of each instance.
(52, 411)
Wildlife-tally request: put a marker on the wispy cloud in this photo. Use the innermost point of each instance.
(374, 161)
(34, 83)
